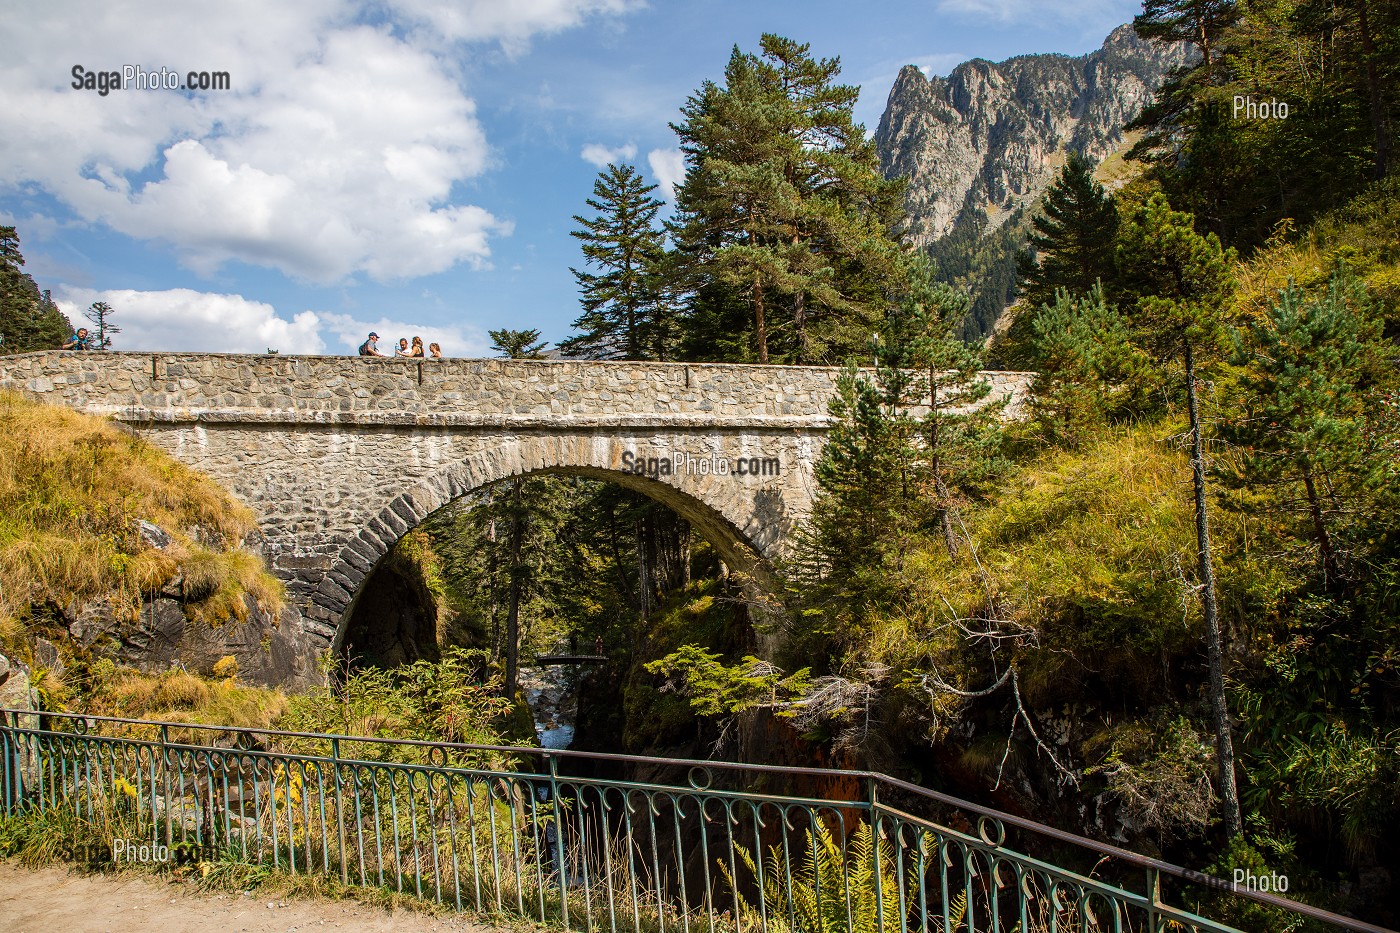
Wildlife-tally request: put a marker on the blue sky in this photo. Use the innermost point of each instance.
(404, 165)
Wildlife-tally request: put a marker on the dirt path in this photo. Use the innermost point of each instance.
(55, 899)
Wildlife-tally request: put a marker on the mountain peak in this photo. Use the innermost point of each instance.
(988, 139)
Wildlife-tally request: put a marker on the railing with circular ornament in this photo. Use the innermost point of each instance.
(559, 838)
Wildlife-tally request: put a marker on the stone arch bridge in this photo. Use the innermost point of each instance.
(339, 457)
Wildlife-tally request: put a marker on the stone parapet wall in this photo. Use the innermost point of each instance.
(231, 388)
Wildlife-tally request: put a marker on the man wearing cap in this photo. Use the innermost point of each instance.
(371, 346)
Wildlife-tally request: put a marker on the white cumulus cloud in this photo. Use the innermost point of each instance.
(602, 156)
(668, 168)
(182, 319)
(341, 147)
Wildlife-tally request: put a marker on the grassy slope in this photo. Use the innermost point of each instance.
(72, 491)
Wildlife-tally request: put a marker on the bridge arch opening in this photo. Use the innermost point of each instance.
(744, 520)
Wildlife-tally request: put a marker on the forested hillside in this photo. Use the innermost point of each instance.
(1162, 608)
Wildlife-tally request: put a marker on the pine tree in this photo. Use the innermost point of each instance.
(924, 362)
(861, 521)
(29, 318)
(1073, 238)
(1305, 394)
(1088, 369)
(904, 451)
(1199, 22)
(518, 344)
(100, 314)
(625, 311)
(1182, 281)
(784, 209)
(518, 514)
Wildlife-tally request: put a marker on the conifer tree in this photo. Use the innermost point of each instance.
(1305, 400)
(1181, 281)
(925, 363)
(519, 511)
(904, 451)
(1073, 238)
(1088, 369)
(783, 207)
(100, 314)
(29, 318)
(518, 344)
(625, 312)
(861, 520)
(1199, 22)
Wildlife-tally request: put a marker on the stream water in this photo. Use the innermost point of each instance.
(553, 703)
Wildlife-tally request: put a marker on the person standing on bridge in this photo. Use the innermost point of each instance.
(79, 340)
(417, 347)
(402, 348)
(371, 345)
(434, 351)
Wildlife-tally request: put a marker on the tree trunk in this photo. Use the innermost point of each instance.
(945, 519)
(1324, 540)
(760, 327)
(1220, 708)
(684, 552)
(799, 322)
(493, 585)
(1373, 90)
(517, 532)
(643, 571)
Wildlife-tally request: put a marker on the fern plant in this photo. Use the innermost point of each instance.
(832, 887)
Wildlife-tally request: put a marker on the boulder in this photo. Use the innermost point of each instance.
(154, 640)
(18, 693)
(153, 535)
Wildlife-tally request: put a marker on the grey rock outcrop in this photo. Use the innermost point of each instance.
(17, 690)
(991, 136)
(270, 651)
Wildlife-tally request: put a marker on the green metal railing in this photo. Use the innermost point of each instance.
(547, 835)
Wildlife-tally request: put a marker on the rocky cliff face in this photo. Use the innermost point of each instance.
(989, 138)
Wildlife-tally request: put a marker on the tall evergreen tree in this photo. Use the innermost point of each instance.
(904, 451)
(925, 363)
(783, 209)
(29, 319)
(519, 511)
(625, 311)
(1330, 62)
(1181, 281)
(1088, 369)
(1305, 395)
(1199, 22)
(1073, 237)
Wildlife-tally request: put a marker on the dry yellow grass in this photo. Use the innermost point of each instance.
(72, 491)
(178, 696)
(1365, 235)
